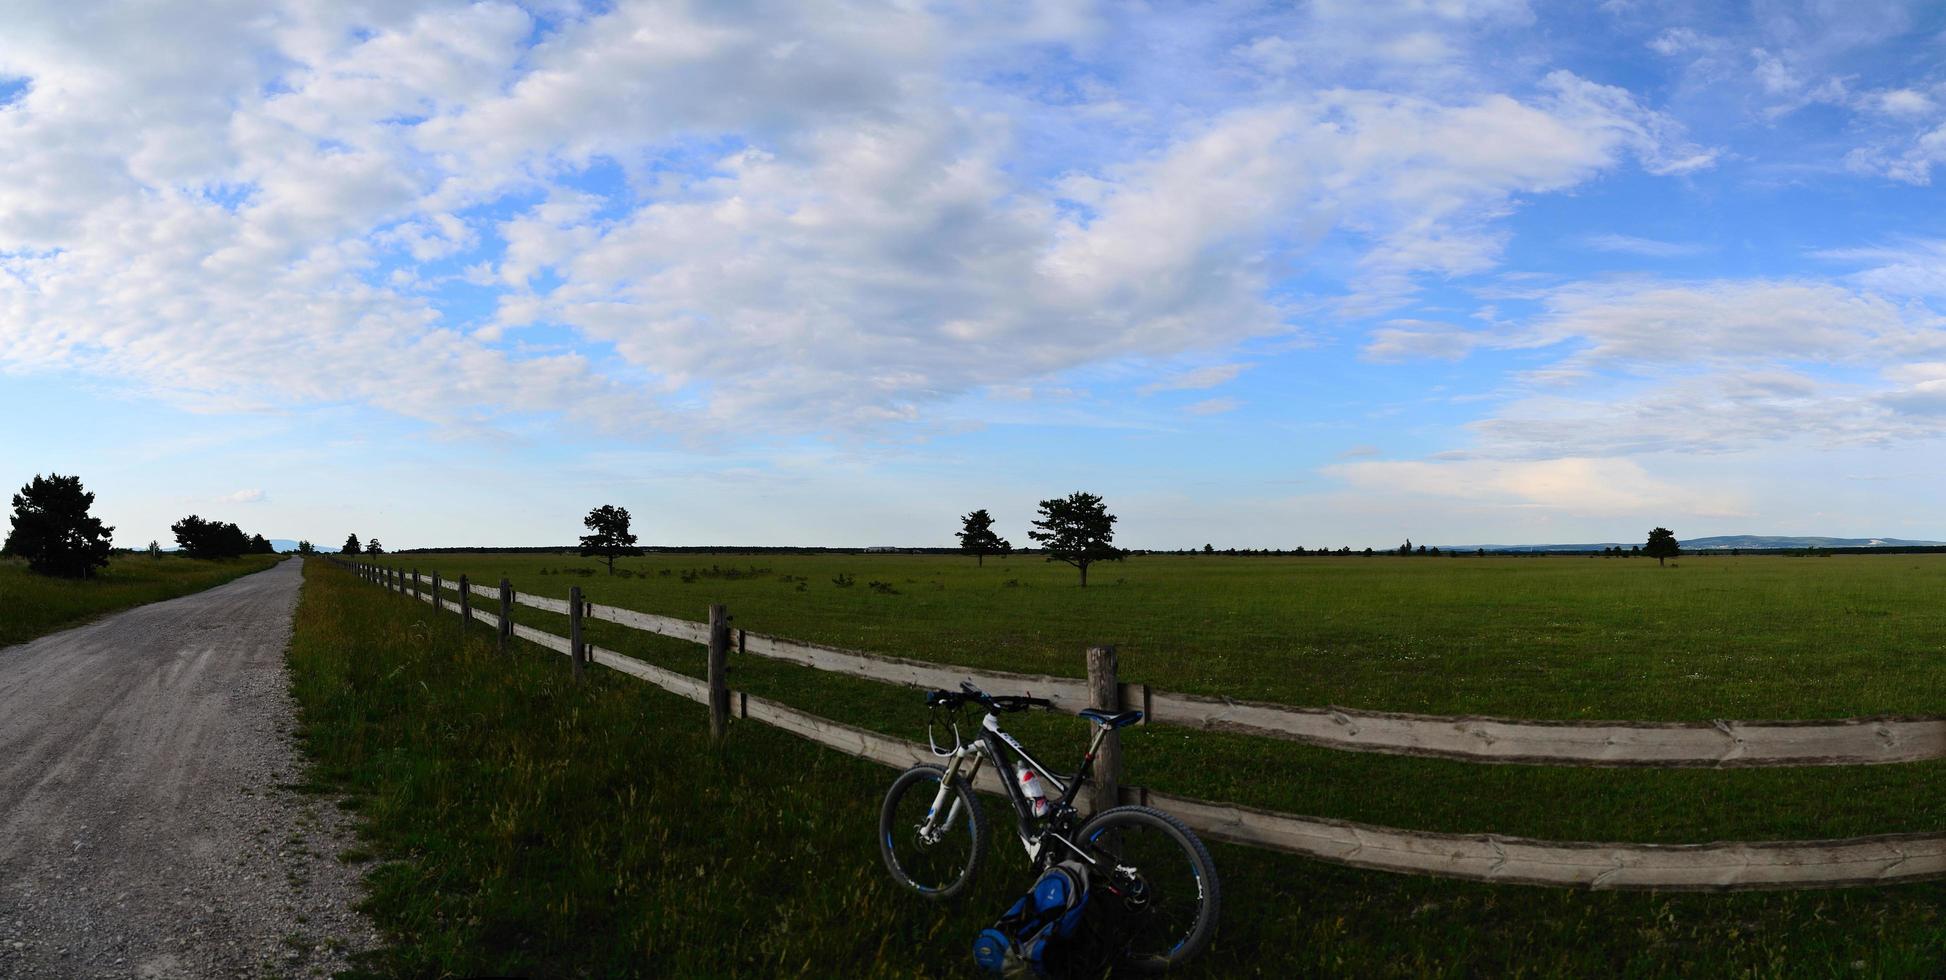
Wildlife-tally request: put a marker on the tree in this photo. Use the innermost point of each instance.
(610, 537)
(976, 536)
(155, 549)
(1076, 529)
(306, 549)
(1406, 548)
(53, 530)
(351, 546)
(1662, 545)
(372, 547)
(203, 539)
(259, 545)
(1209, 549)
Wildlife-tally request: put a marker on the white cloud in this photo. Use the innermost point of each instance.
(1208, 376)
(1902, 102)
(1711, 366)
(1404, 340)
(1213, 406)
(1573, 485)
(1910, 269)
(1647, 247)
(242, 497)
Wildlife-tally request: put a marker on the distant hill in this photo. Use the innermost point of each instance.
(1721, 542)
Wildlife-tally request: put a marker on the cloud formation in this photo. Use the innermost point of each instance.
(669, 215)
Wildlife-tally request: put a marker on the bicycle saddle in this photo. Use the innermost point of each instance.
(1106, 720)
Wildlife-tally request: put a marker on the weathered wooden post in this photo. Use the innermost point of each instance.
(415, 581)
(438, 597)
(506, 613)
(577, 649)
(1105, 692)
(719, 670)
(465, 603)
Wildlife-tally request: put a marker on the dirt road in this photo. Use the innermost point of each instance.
(145, 830)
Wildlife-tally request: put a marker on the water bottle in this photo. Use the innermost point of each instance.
(1030, 786)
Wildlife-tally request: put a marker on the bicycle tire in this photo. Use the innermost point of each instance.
(1201, 865)
(895, 829)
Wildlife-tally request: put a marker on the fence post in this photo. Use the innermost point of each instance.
(506, 613)
(719, 668)
(465, 604)
(438, 596)
(1105, 692)
(577, 649)
(415, 581)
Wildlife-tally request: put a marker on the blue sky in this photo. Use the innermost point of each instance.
(834, 273)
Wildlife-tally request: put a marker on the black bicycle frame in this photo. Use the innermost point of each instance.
(999, 746)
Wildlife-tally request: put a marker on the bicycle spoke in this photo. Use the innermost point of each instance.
(930, 865)
(1165, 899)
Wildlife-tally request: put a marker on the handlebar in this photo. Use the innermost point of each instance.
(996, 703)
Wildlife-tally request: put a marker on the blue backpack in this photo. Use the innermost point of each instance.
(1046, 933)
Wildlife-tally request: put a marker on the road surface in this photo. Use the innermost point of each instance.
(145, 825)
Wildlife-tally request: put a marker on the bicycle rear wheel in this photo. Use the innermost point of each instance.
(938, 863)
(1163, 879)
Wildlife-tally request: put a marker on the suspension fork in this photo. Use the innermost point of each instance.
(946, 791)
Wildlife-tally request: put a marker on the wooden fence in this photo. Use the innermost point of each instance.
(1720, 866)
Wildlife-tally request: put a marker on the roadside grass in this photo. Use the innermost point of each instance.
(35, 605)
(527, 825)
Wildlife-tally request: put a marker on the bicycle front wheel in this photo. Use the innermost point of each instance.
(933, 854)
(1164, 880)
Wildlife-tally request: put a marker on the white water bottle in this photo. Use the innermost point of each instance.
(1030, 786)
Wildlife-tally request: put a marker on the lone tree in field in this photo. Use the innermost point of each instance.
(1662, 545)
(306, 549)
(351, 546)
(372, 547)
(976, 536)
(53, 530)
(609, 536)
(1078, 530)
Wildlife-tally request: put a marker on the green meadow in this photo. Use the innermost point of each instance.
(35, 605)
(1764, 637)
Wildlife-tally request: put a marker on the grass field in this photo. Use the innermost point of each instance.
(35, 605)
(1246, 627)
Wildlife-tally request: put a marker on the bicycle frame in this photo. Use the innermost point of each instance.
(994, 745)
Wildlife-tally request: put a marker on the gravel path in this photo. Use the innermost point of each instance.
(145, 830)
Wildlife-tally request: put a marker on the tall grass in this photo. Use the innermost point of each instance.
(527, 825)
(34, 605)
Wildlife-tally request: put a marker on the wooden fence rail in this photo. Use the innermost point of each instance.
(1719, 866)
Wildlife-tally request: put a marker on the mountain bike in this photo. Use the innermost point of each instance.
(933, 831)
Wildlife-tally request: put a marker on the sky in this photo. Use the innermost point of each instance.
(834, 273)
